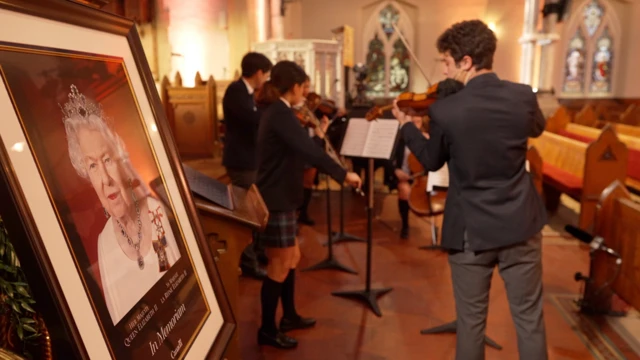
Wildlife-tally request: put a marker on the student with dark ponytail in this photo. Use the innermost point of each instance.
(283, 149)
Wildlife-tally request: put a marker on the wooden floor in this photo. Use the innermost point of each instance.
(421, 297)
(422, 294)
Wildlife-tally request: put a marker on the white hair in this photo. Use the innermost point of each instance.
(92, 122)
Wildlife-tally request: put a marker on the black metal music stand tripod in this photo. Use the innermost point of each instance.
(368, 295)
(330, 263)
(341, 236)
(451, 328)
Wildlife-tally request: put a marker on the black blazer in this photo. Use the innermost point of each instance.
(482, 132)
(283, 149)
(241, 119)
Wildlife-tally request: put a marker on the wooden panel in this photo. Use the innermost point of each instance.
(605, 161)
(601, 270)
(535, 167)
(228, 233)
(626, 241)
(192, 116)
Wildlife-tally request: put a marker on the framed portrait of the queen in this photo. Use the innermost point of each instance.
(83, 138)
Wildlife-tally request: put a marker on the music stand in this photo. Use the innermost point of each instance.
(335, 134)
(369, 140)
(330, 263)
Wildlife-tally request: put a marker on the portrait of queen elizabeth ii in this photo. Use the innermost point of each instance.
(136, 246)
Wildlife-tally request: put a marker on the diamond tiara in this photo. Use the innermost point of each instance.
(79, 105)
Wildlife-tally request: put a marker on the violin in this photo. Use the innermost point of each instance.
(306, 117)
(322, 107)
(417, 104)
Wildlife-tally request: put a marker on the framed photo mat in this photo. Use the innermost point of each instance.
(54, 279)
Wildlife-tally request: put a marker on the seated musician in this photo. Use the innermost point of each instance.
(310, 172)
(403, 175)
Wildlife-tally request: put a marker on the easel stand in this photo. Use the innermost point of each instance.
(330, 263)
(369, 296)
(341, 236)
(451, 328)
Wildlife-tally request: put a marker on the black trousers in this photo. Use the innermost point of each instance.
(255, 250)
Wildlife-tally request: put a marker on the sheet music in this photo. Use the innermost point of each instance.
(370, 139)
(381, 139)
(438, 178)
(355, 138)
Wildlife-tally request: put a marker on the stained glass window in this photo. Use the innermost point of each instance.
(574, 64)
(590, 52)
(601, 71)
(400, 65)
(593, 16)
(388, 16)
(387, 61)
(376, 61)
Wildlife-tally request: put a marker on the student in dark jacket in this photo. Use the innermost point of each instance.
(283, 149)
(494, 215)
(310, 172)
(241, 118)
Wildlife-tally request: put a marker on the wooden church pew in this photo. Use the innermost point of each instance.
(618, 223)
(580, 170)
(622, 129)
(587, 135)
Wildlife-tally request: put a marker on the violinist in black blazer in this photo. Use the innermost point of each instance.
(241, 119)
(494, 215)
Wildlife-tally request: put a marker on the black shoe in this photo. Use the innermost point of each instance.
(297, 323)
(305, 220)
(404, 233)
(278, 340)
(255, 272)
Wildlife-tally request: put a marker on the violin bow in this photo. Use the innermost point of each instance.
(415, 58)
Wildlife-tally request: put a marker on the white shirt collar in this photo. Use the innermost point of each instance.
(285, 102)
(249, 87)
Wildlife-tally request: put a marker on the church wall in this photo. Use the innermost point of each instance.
(429, 18)
(626, 72)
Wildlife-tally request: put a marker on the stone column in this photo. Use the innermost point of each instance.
(528, 41)
(547, 42)
(277, 23)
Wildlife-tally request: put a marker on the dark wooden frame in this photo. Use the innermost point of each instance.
(50, 300)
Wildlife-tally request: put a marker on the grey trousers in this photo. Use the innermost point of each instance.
(520, 267)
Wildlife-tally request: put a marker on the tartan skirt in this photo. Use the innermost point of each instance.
(280, 231)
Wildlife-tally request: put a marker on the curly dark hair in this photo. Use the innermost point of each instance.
(471, 38)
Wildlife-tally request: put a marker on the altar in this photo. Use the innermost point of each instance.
(320, 59)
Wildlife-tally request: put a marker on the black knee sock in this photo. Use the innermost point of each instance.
(403, 206)
(305, 202)
(288, 294)
(269, 295)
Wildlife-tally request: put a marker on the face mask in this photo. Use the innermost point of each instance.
(462, 76)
